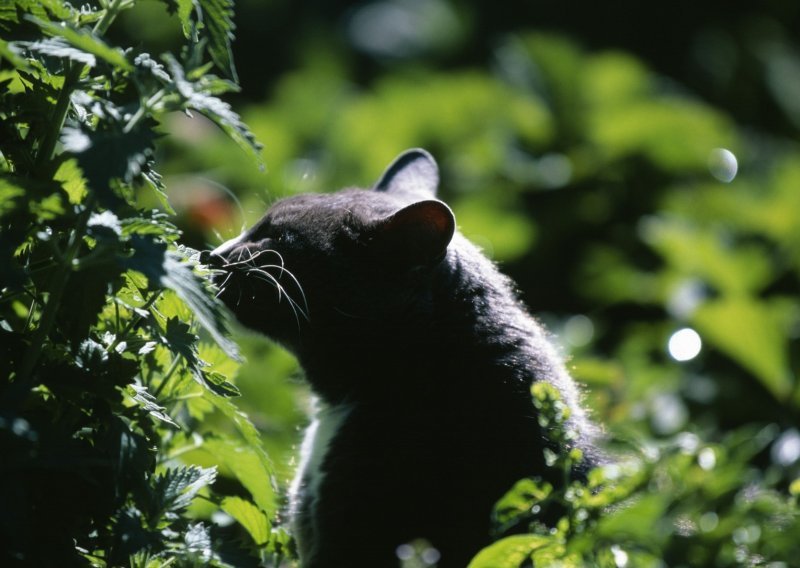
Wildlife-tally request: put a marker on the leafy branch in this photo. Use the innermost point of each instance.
(98, 304)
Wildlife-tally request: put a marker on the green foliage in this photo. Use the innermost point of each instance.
(608, 193)
(105, 322)
(600, 185)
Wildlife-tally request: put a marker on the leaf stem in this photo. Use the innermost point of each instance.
(57, 286)
(101, 27)
(172, 368)
(48, 146)
(71, 79)
(133, 322)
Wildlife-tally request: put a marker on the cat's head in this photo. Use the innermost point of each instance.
(351, 261)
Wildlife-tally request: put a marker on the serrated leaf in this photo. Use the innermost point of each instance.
(59, 47)
(179, 338)
(71, 178)
(217, 17)
(154, 179)
(9, 11)
(198, 544)
(198, 97)
(249, 464)
(217, 383)
(180, 276)
(175, 488)
(252, 518)
(168, 268)
(138, 392)
(154, 224)
(104, 223)
(9, 53)
(85, 41)
(184, 10)
(110, 154)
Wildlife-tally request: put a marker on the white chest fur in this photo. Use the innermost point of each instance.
(310, 474)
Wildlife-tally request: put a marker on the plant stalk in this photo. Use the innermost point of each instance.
(24, 375)
(57, 287)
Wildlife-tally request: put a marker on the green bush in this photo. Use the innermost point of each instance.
(114, 348)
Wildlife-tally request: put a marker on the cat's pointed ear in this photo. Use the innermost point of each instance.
(417, 235)
(413, 172)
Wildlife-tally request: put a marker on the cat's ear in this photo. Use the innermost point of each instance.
(413, 172)
(417, 235)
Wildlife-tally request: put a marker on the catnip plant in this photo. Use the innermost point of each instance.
(113, 347)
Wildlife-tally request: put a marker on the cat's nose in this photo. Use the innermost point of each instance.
(208, 257)
(217, 256)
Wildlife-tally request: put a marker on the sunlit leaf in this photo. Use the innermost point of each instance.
(147, 401)
(108, 155)
(510, 552)
(59, 47)
(217, 17)
(248, 463)
(40, 8)
(175, 488)
(750, 333)
(258, 476)
(198, 544)
(86, 42)
(249, 516)
(199, 98)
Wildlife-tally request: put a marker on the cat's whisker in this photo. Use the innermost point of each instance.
(291, 300)
(292, 304)
(224, 283)
(272, 280)
(293, 279)
(250, 261)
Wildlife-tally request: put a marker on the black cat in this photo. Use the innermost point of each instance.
(422, 359)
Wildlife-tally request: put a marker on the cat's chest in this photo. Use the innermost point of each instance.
(327, 423)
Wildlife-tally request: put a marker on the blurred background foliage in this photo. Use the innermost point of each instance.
(635, 167)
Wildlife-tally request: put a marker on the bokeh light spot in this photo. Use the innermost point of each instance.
(723, 164)
(685, 344)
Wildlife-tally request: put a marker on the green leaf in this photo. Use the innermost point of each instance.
(217, 383)
(184, 9)
(198, 545)
(154, 179)
(109, 154)
(71, 178)
(138, 392)
(59, 47)
(179, 275)
(9, 53)
(636, 521)
(249, 463)
(217, 17)
(197, 95)
(751, 334)
(170, 269)
(9, 192)
(249, 516)
(510, 552)
(516, 505)
(175, 488)
(85, 41)
(60, 10)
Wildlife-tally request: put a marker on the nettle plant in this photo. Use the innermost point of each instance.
(113, 348)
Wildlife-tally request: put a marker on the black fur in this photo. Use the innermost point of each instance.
(412, 330)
